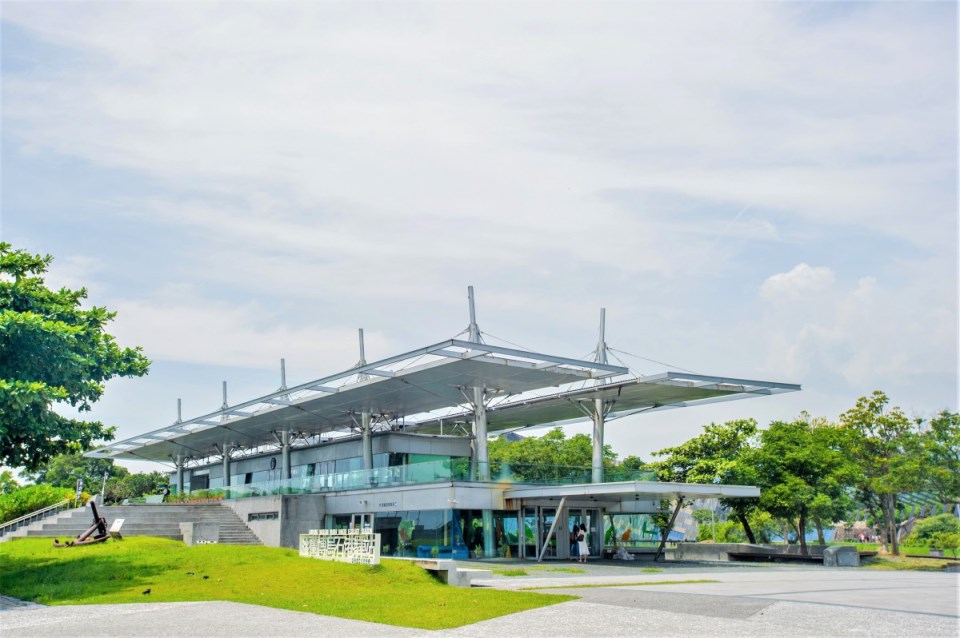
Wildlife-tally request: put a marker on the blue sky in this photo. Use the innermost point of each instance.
(765, 190)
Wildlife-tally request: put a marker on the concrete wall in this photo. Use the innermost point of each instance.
(300, 514)
(267, 531)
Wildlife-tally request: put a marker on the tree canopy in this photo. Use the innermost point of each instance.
(63, 470)
(803, 473)
(886, 447)
(53, 353)
(536, 457)
(719, 455)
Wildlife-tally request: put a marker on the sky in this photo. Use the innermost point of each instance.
(758, 190)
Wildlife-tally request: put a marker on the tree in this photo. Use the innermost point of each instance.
(135, 485)
(886, 447)
(63, 470)
(941, 450)
(52, 352)
(803, 473)
(7, 482)
(719, 455)
(548, 456)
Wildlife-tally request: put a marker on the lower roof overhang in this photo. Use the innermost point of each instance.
(647, 490)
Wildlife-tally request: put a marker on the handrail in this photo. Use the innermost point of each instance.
(40, 512)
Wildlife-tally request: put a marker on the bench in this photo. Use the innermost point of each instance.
(447, 571)
(771, 557)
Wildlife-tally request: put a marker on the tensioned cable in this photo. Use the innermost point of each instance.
(669, 365)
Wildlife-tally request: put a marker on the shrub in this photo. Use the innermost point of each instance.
(926, 528)
(946, 540)
(32, 498)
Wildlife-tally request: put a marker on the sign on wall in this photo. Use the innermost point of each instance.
(358, 546)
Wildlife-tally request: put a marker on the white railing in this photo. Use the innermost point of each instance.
(26, 519)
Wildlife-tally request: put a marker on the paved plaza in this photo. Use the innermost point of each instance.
(744, 601)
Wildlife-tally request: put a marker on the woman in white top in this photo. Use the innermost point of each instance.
(582, 548)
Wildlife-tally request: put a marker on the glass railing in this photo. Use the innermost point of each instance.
(428, 472)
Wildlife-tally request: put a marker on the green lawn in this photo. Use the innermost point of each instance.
(394, 593)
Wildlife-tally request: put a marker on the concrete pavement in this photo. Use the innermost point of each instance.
(746, 601)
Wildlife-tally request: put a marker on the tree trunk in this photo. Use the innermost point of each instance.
(820, 538)
(802, 533)
(892, 522)
(746, 527)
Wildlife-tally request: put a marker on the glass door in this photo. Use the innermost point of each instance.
(530, 534)
(362, 521)
(547, 516)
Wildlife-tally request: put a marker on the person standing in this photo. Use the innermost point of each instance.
(573, 541)
(582, 548)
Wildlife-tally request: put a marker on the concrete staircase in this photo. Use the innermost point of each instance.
(150, 520)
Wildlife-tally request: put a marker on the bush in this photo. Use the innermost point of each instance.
(949, 541)
(927, 528)
(32, 498)
(727, 532)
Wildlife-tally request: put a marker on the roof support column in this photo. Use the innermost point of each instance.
(481, 456)
(226, 465)
(598, 418)
(179, 473)
(285, 455)
(367, 440)
(599, 409)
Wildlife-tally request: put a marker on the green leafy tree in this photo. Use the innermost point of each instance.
(887, 448)
(63, 470)
(135, 485)
(52, 352)
(7, 482)
(940, 441)
(803, 473)
(719, 455)
(547, 456)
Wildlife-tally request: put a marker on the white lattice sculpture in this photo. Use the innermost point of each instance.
(344, 545)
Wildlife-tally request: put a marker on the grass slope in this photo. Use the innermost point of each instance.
(394, 593)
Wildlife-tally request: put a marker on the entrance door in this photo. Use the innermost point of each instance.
(362, 521)
(590, 518)
(530, 534)
(536, 526)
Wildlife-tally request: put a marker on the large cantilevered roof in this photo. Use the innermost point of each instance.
(428, 391)
(621, 397)
(398, 389)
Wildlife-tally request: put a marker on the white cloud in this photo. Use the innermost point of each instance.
(803, 282)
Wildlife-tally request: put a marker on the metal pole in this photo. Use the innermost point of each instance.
(103, 488)
(367, 440)
(226, 465)
(179, 411)
(285, 455)
(474, 328)
(365, 430)
(598, 406)
(480, 435)
(283, 373)
(223, 417)
(179, 473)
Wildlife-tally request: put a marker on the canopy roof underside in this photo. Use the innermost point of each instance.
(429, 391)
